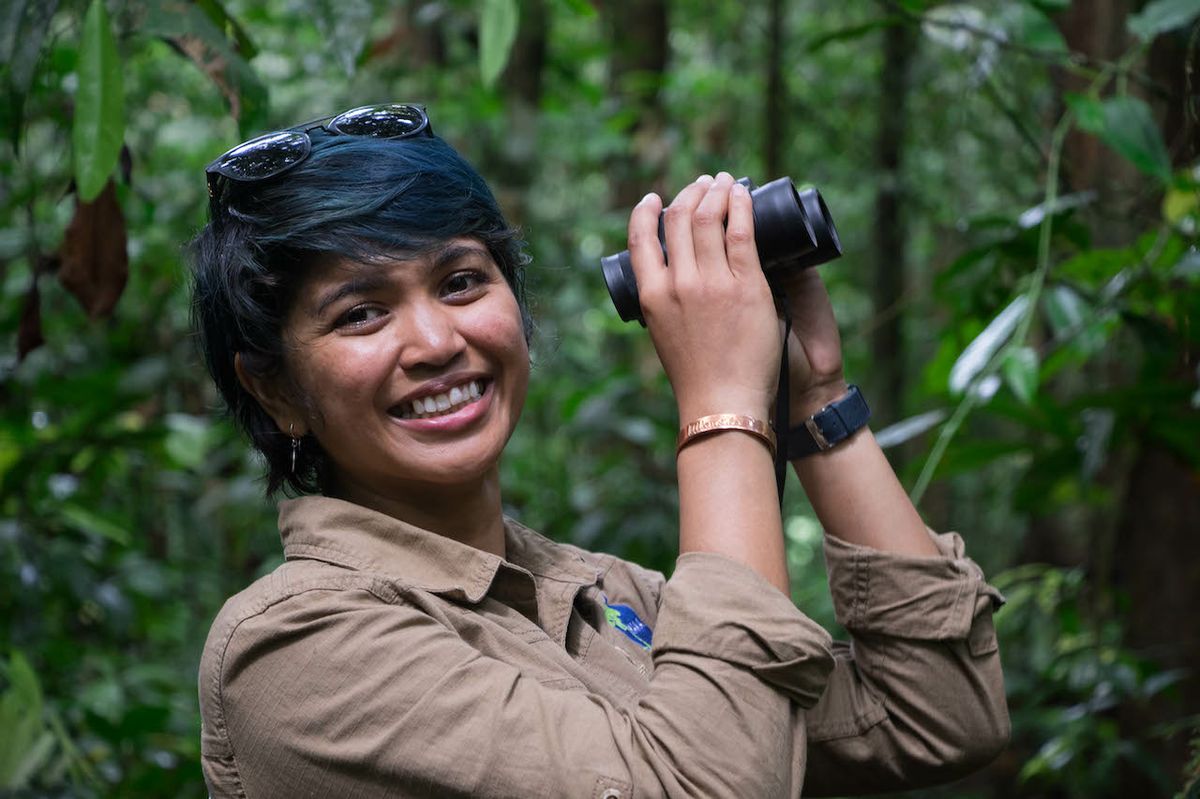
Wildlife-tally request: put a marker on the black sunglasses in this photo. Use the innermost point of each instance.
(273, 154)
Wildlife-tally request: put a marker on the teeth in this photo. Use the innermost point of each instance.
(440, 403)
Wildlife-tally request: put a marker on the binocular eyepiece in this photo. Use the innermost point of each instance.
(792, 230)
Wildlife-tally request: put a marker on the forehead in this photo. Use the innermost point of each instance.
(338, 269)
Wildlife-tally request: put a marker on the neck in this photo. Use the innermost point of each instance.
(470, 514)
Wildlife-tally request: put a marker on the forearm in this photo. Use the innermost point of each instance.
(858, 498)
(727, 503)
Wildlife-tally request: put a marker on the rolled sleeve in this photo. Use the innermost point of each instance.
(717, 608)
(924, 598)
(917, 696)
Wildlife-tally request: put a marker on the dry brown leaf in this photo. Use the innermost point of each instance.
(94, 261)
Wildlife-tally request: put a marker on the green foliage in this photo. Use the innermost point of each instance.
(1045, 328)
(1066, 675)
(497, 31)
(99, 105)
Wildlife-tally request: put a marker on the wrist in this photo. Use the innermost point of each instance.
(758, 406)
(805, 403)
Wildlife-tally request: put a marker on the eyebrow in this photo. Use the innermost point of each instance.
(360, 284)
(366, 282)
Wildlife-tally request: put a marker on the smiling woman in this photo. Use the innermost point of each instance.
(359, 299)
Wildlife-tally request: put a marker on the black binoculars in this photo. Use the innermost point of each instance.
(792, 230)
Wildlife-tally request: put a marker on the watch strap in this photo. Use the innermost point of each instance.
(829, 426)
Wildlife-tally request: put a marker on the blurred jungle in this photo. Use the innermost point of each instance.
(1017, 187)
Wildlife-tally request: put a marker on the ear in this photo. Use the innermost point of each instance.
(278, 404)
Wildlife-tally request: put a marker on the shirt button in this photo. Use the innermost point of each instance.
(611, 793)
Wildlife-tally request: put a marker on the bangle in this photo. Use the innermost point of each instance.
(718, 422)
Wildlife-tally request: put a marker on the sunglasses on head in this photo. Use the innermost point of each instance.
(273, 154)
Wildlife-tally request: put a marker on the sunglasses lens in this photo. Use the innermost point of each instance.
(381, 121)
(263, 157)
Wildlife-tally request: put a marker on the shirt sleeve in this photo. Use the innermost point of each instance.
(361, 693)
(917, 696)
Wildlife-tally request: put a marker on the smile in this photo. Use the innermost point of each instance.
(441, 404)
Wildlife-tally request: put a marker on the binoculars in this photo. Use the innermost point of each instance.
(792, 230)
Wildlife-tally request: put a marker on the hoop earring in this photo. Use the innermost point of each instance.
(295, 445)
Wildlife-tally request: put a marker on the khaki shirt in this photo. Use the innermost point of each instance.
(381, 660)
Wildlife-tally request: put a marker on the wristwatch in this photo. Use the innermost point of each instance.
(829, 426)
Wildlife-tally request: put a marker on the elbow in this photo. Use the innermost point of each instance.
(980, 738)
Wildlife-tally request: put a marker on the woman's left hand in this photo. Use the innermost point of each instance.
(814, 346)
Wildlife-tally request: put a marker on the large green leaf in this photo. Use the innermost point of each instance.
(980, 351)
(497, 32)
(99, 105)
(1128, 127)
(1161, 16)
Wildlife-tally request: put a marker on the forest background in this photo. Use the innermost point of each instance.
(1016, 186)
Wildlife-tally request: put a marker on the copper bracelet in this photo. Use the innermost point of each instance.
(718, 422)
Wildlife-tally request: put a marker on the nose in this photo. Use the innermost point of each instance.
(431, 338)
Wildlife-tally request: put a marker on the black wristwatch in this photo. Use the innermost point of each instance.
(829, 426)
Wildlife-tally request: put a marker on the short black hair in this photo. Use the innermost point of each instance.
(354, 197)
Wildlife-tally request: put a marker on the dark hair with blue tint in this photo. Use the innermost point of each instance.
(354, 197)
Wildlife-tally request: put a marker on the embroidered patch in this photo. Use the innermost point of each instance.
(625, 619)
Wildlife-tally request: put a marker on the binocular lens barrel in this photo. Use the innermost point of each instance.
(792, 230)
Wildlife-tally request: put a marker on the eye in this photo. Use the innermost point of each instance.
(463, 284)
(359, 316)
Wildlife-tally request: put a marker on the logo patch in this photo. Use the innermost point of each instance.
(625, 619)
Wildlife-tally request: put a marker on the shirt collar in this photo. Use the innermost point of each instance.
(351, 536)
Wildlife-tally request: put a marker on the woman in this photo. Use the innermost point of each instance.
(359, 299)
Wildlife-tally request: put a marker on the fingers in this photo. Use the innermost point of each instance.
(708, 227)
(645, 252)
(740, 248)
(677, 227)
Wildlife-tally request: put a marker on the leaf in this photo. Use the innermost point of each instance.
(1021, 372)
(977, 354)
(88, 521)
(194, 34)
(94, 260)
(24, 29)
(223, 20)
(497, 32)
(188, 442)
(1088, 111)
(99, 126)
(1031, 28)
(344, 25)
(1160, 16)
(1129, 129)
(908, 429)
(1178, 204)
(1032, 217)
(848, 33)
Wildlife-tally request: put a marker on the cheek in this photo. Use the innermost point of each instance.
(332, 374)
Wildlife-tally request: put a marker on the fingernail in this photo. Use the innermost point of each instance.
(704, 179)
(646, 199)
(740, 189)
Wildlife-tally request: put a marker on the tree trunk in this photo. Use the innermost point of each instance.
(637, 34)
(888, 283)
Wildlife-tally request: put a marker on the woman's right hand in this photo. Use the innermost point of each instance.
(710, 313)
